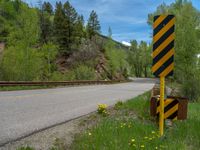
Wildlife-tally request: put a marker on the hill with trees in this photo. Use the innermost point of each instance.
(57, 44)
(49, 43)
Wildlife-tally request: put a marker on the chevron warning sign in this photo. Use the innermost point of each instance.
(163, 45)
(170, 108)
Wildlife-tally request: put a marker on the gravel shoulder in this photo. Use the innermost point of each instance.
(45, 140)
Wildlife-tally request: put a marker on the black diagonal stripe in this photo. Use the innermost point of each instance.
(163, 52)
(169, 106)
(163, 37)
(174, 115)
(155, 18)
(158, 103)
(170, 73)
(164, 66)
(164, 22)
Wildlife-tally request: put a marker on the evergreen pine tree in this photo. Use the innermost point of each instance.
(60, 28)
(70, 21)
(79, 30)
(47, 7)
(45, 23)
(93, 25)
(68, 27)
(17, 4)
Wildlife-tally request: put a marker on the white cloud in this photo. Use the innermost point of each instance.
(126, 43)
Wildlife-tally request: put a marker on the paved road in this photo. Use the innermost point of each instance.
(25, 112)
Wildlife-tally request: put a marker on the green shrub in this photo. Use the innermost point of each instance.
(21, 63)
(48, 53)
(57, 76)
(118, 105)
(69, 76)
(83, 72)
(190, 87)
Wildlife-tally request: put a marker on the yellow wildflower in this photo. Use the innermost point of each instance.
(132, 140)
(142, 146)
(89, 134)
(102, 109)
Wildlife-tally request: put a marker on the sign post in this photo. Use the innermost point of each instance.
(162, 96)
(163, 55)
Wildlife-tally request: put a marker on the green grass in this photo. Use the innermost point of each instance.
(132, 122)
(18, 88)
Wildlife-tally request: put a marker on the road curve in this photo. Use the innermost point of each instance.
(25, 112)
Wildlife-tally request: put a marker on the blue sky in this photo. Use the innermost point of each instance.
(127, 18)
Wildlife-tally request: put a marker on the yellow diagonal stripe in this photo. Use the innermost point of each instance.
(163, 45)
(163, 30)
(167, 70)
(171, 111)
(167, 102)
(175, 118)
(163, 60)
(158, 21)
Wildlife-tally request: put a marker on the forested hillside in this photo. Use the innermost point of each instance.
(57, 44)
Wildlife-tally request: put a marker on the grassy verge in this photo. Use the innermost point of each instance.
(130, 127)
(18, 88)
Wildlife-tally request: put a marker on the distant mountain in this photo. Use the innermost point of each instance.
(119, 44)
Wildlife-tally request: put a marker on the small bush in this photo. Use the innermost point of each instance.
(118, 105)
(57, 76)
(83, 72)
(190, 89)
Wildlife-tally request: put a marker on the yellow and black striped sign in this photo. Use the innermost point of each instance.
(170, 108)
(163, 45)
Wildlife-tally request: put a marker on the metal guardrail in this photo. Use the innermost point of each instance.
(55, 83)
